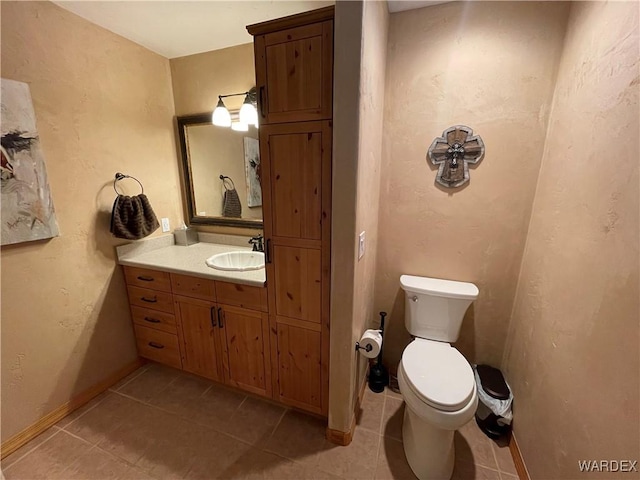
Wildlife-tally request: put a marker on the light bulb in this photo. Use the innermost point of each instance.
(248, 112)
(221, 116)
(239, 126)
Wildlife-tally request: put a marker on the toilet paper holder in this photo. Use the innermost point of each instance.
(366, 348)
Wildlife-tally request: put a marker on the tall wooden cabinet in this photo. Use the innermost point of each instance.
(294, 75)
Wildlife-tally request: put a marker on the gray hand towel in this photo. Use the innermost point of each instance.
(132, 217)
(231, 206)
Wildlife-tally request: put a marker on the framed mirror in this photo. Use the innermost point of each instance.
(221, 172)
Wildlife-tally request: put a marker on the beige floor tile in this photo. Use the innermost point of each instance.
(473, 446)
(259, 465)
(254, 421)
(392, 463)
(22, 451)
(370, 414)
(393, 417)
(212, 454)
(465, 471)
(144, 428)
(354, 461)
(504, 458)
(130, 377)
(180, 394)
(214, 408)
(50, 459)
(149, 383)
(97, 464)
(391, 393)
(82, 410)
(100, 422)
(506, 476)
(298, 437)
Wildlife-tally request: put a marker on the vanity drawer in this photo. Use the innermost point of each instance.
(245, 296)
(157, 345)
(154, 319)
(193, 287)
(146, 278)
(143, 297)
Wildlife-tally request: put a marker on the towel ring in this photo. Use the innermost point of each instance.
(120, 176)
(224, 179)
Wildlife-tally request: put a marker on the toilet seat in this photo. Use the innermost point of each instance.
(438, 374)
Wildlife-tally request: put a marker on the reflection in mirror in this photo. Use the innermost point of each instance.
(221, 169)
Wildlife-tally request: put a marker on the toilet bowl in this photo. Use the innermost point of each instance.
(436, 381)
(439, 400)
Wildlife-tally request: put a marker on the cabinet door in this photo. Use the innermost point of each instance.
(296, 189)
(198, 334)
(294, 72)
(245, 343)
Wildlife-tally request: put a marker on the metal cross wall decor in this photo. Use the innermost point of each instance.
(453, 152)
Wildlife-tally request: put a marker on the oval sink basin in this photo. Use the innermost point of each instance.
(237, 261)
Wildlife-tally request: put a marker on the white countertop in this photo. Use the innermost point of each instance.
(191, 261)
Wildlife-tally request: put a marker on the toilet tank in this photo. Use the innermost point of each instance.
(434, 308)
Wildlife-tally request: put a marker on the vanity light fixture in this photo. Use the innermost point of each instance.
(248, 112)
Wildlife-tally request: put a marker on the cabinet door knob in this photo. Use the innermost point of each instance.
(156, 345)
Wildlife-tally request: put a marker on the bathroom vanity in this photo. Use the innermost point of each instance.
(208, 322)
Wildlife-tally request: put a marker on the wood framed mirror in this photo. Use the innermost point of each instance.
(220, 172)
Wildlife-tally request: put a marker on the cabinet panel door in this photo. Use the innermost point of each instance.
(295, 161)
(198, 334)
(299, 367)
(246, 349)
(295, 74)
(298, 282)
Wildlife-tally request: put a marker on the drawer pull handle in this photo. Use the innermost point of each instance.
(212, 315)
(149, 300)
(145, 279)
(220, 317)
(156, 345)
(151, 320)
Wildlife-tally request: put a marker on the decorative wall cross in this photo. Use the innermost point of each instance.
(453, 152)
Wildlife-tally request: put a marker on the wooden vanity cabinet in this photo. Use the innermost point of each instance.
(294, 75)
(218, 330)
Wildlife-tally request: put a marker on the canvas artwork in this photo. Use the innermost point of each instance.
(252, 171)
(27, 208)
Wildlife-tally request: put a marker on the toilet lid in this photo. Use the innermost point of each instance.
(438, 373)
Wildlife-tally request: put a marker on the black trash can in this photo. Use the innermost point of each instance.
(493, 415)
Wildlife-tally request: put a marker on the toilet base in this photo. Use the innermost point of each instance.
(429, 450)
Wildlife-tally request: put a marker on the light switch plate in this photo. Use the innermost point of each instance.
(360, 245)
(165, 225)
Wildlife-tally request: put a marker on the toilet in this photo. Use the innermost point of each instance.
(436, 381)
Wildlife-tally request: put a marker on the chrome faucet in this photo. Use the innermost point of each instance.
(258, 243)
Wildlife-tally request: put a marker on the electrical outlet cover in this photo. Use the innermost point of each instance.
(165, 225)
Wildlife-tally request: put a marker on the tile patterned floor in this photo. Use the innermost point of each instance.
(160, 423)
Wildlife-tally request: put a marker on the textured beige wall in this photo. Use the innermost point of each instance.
(375, 27)
(346, 118)
(102, 104)
(359, 70)
(573, 351)
(199, 79)
(491, 66)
